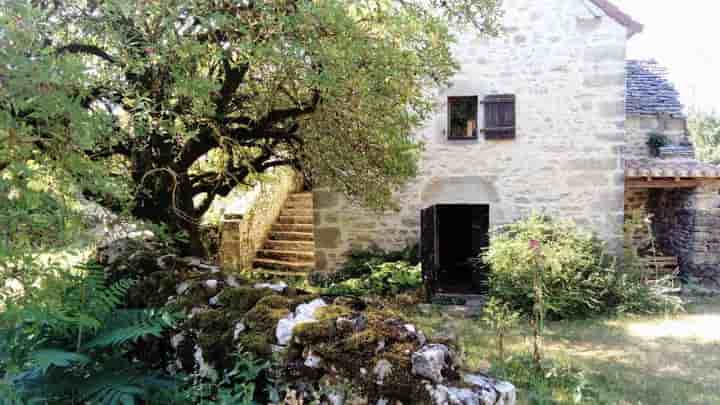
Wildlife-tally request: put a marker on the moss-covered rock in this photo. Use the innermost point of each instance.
(308, 333)
(243, 298)
(332, 312)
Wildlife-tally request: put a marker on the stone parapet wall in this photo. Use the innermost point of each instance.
(639, 127)
(566, 67)
(244, 233)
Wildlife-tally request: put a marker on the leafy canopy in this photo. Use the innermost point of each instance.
(171, 103)
(705, 131)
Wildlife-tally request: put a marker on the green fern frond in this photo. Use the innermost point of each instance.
(44, 358)
(129, 325)
(119, 383)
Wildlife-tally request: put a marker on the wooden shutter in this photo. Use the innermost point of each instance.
(429, 249)
(499, 117)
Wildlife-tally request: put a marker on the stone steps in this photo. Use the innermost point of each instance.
(290, 247)
(296, 219)
(292, 236)
(297, 245)
(297, 212)
(283, 265)
(287, 255)
(300, 228)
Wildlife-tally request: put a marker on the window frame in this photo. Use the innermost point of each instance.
(477, 130)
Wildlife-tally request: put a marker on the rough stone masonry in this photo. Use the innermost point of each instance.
(564, 60)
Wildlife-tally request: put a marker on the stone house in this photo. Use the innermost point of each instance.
(536, 120)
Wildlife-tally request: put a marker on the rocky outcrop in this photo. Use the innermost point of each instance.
(358, 353)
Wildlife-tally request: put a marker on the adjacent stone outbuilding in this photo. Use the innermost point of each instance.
(678, 193)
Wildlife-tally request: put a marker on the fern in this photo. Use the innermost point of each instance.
(44, 358)
(129, 325)
(68, 347)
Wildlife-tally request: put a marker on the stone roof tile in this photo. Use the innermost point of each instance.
(649, 91)
(673, 168)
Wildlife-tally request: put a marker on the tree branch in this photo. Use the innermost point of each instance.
(86, 49)
(233, 79)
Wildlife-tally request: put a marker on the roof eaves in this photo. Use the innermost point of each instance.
(618, 15)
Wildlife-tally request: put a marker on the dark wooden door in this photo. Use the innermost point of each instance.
(480, 217)
(429, 249)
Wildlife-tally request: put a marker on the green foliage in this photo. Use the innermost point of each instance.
(237, 386)
(551, 384)
(374, 271)
(384, 279)
(576, 273)
(190, 98)
(361, 262)
(705, 131)
(578, 277)
(65, 340)
(500, 317)
(656, 141)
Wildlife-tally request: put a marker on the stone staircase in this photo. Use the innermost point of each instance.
(290, 246)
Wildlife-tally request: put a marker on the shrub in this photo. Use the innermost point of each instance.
(579, 278)
(576, 274)
(656, 141)
(553, 383)
(501, 319)
(383, 279)
(360, 263)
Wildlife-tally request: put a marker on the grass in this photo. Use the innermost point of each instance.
(654, 360)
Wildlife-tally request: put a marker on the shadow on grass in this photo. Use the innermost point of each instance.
(630, 360)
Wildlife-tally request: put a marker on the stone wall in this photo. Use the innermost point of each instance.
(704, 264)
(244, 233)
(673, 221)
(686, 224)
(635, 200)
(565, 63)
(639, 127)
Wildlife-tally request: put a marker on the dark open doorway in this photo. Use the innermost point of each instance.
(453, 235)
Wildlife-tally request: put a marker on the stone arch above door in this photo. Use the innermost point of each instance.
(464, 190)
(460, 190)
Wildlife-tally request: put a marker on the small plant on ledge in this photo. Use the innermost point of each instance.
(656, 141)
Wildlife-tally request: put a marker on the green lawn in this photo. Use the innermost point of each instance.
(631, 360)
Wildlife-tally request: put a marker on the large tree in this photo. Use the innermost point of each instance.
(186, 99)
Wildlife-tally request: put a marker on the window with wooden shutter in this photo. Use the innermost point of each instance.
(462, 117)
(499, 117)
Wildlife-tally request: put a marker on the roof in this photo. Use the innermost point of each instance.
(649, 91)
(671, 168)
(618, 15)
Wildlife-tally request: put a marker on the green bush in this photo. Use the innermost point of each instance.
(360, 263)
(552, 384)
(579, 278)
(656, 141)
(383, 279)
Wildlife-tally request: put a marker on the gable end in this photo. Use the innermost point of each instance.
(618, 15)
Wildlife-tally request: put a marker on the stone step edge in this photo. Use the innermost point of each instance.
(304, 264)
(288, 252)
